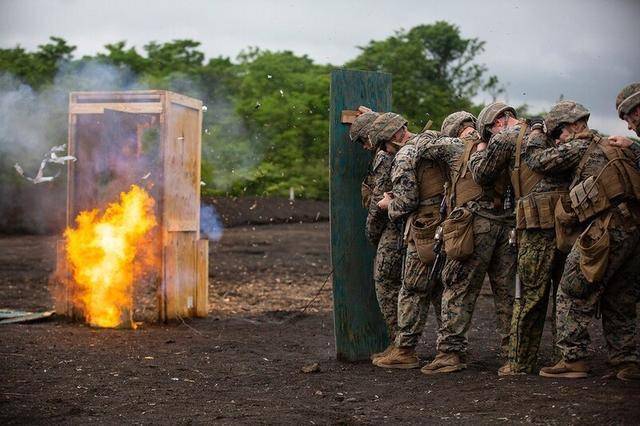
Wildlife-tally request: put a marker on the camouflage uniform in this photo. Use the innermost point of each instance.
(388, 262)
(537, 254)
(492, 254)
(578, 299)
(415, 293)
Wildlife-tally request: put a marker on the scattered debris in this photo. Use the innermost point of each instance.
(258, 105)
(311, 368)
(146, 176)
(203, 183)
(50, 157)
(204, 108)
(9, 316)
(281, 92)
(269, 76)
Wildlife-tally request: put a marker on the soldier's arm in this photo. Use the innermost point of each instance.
(405, 189)
(543, 156)
(443, 151)
(488, 164)
(376, 217)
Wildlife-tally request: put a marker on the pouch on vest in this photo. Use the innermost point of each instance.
(588, 199)
(458, 234)
(365, 191)
(593, 246)
(423, 231)
(566, 223)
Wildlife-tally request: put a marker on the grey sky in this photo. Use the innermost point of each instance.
(584, 49)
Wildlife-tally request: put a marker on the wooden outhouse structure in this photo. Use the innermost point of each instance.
(151, 138)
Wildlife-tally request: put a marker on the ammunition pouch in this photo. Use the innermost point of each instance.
(458, 234)
(366, 192)
(566, 224)
(536, 210)
(422, 232)
(588, 198)
(618, 181)
(593, 246)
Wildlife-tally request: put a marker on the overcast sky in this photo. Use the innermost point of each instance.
(584, 49)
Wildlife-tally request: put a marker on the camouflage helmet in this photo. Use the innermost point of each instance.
(489, 114)
(628, 99)
(564, 112)
(452, 125)
(385, 126)
(359, 130)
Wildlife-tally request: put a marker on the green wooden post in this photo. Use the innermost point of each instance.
(359, 327)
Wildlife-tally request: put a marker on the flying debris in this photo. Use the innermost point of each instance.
(50, 157)
(281, 92)
(269, 76)
(258, 105)
(202, 183)
(204, 108)
(146, 176)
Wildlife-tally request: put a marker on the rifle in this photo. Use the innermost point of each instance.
(441, 256)
(513, 242)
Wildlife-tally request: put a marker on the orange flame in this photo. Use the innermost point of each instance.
(103, 253)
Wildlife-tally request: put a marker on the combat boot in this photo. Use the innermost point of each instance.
(507, 370)
(629, 372)
(569, 370)
(444, 362)
(383, 353)
(402, 358)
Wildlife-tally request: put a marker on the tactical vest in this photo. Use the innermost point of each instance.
(431, 181)
(533, 210)
(465, 189)
(616, 183)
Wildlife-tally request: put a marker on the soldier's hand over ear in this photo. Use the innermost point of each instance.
(620, 141)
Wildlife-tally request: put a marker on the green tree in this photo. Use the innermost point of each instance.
(433, 70)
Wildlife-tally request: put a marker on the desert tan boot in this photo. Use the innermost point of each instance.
(568, 370)
(630, 372)
(402, 358)
(383, 353)
(507, 370)
(444, 363)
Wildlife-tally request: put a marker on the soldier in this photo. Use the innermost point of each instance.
(417, 195)
(599, 271)
(359, 132)
(628, 107)
(476, 235)
(536, 196)
(387, 268)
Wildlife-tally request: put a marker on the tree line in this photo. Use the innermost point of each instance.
(267, 120)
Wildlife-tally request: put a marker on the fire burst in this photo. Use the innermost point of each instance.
(106, 252)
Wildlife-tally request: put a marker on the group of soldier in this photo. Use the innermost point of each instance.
(547, 208)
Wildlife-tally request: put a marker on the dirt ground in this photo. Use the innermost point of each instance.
(243, 363)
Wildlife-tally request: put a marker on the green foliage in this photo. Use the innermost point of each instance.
(433, 70)
(266, 128)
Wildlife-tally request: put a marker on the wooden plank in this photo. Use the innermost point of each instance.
(117, 96)
(348, 116)
(98, 108)
(181, 204)
(359, 327)
(202, 287)
(185, 101)
(181, 278)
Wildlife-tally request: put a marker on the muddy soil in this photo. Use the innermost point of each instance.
(243, 363)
